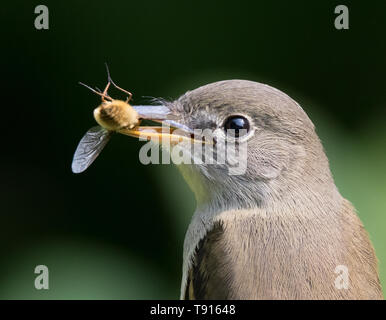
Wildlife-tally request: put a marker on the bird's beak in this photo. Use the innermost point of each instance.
(172, 130)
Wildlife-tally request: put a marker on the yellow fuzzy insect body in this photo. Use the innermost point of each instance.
(115, 115)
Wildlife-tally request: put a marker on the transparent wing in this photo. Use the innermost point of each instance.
(89, 147)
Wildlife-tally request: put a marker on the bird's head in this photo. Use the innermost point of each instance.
(274, 150)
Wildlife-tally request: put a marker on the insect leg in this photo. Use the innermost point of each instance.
(104, 95)
(113, 83)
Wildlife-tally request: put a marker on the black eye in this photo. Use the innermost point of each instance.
(238, 124)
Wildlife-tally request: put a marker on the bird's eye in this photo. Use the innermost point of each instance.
(236, 126)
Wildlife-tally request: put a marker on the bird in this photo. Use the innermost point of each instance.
(280, 229)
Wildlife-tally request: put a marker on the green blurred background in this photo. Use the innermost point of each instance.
(116, 231)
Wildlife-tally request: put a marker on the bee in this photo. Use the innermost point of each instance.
(112, 116)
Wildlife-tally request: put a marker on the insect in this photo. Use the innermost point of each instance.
(111, 115)
(114, 115)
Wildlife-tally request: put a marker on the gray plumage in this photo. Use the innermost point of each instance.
(279, 230)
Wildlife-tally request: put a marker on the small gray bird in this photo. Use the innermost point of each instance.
(281, 230)
(278, 230)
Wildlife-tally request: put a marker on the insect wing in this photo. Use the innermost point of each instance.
(89, 147)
